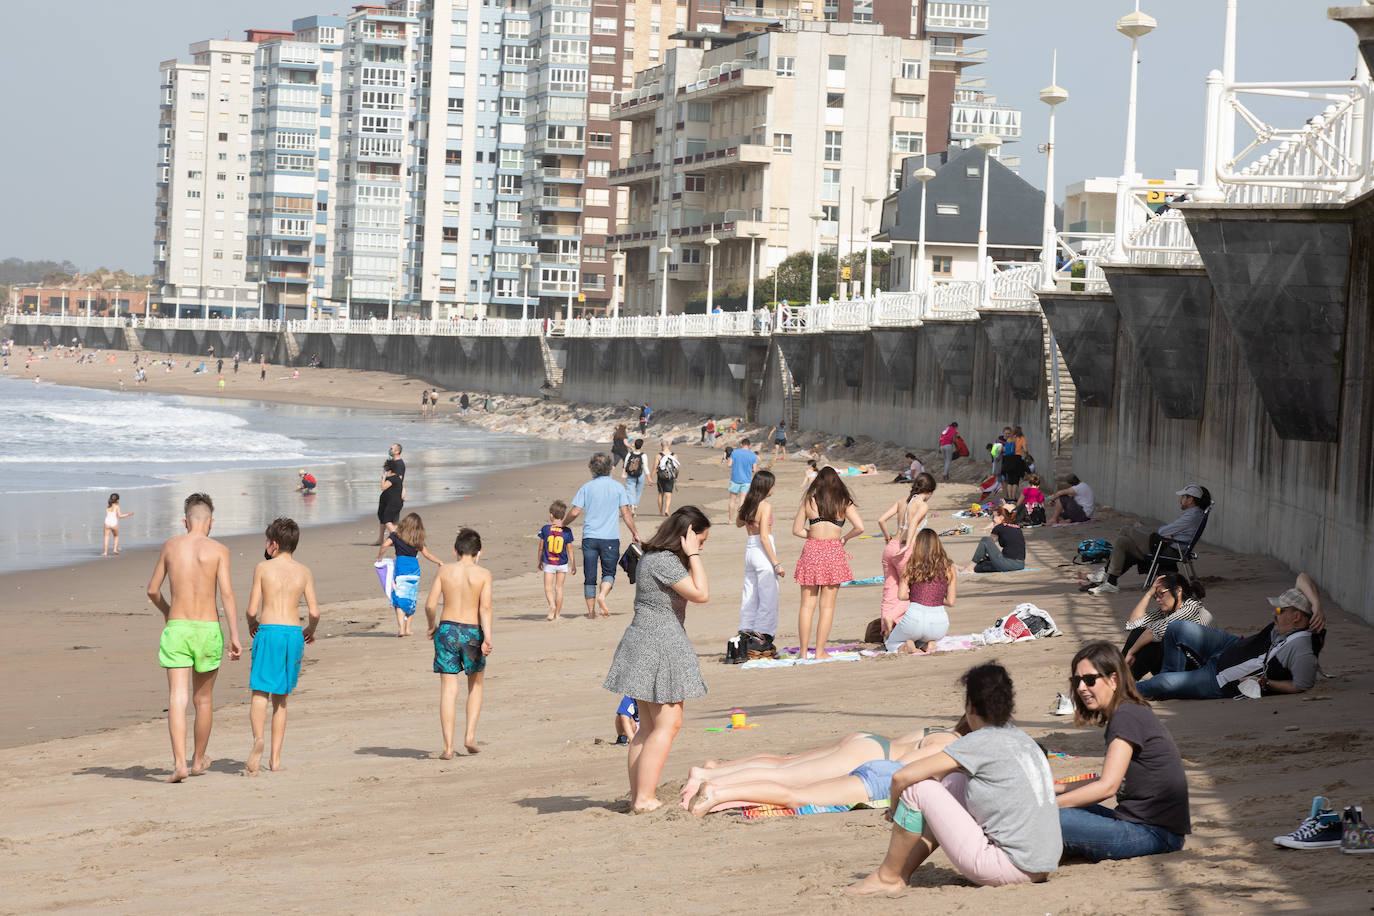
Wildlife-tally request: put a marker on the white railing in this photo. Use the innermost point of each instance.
(1164, 241)
(1014, 286)
(959, 299)
(897, 310)
(138, 321)
(1086, 249)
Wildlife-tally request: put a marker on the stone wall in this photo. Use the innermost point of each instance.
(513, 365)
(710, 375)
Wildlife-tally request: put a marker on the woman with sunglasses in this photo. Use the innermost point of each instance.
(1142, 768)
(1174, 597)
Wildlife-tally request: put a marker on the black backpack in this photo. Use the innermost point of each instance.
(634, 465)
(667, 469)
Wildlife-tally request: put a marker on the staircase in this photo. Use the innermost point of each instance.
(553, 373)
(1061, 426)
(791, 393)
(293, 349)
(131, 341)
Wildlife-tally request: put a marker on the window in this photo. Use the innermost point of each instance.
(908, 141)
(594, 225)
(834, 100)
(946, 209)
(786, 66)
(782, 143)
(830, 184)
(911, 69)
(910, 107)
(833, 145)
(941, 264)
(830, 214)
(836, 62)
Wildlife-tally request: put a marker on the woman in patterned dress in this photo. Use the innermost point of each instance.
(823, 565)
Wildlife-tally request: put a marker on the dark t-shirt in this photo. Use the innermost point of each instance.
(1155, 789)
(1011, 540)
(400, 471)
(402, 548)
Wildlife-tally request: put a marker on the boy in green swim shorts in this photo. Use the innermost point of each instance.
(462, 639)
(279, 583)
(192, 646)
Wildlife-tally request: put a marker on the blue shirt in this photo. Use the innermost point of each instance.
(554, 543)
(742, 462)
(600, 500)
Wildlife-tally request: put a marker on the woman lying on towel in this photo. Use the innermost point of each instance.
(856, 770)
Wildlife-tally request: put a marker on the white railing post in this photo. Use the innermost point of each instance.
(1209, 190)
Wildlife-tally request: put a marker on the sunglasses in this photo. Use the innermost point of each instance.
(1089, 679)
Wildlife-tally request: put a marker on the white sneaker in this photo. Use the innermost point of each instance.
(1098, 577)
(1106, 588)
(1063, 706)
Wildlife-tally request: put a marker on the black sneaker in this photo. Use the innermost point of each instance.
(1320, 830)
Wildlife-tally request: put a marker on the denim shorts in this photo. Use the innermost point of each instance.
(876, 776)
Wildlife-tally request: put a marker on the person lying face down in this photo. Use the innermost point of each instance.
(1281, 658)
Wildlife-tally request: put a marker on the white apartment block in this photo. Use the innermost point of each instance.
(204, 146)
(743, 141)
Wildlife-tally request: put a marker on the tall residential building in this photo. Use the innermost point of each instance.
(743, 136)
(204, 145)
(950, 25)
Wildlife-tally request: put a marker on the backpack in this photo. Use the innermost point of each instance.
(667, 470)
(1093, 550)
(634, 465)
(960, 447)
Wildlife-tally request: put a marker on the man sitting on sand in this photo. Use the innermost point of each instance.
(279, 583)
(192, 644)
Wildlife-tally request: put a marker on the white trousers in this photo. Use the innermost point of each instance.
(758, 610)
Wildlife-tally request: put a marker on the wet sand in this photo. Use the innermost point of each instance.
(367, 817)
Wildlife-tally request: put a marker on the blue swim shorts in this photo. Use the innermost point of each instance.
(876, 776)
(458, 648)
(628, 707)
(277, 651)
(739, 487)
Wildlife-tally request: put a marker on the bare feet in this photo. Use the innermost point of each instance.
(874, 884)
(471, 747)
(200, 765)
(705, 800)
(907, 647)
(254, 757)
(652, 804)
(277, 767)
(601, 603)
(447, 754)
(550, 617)
(695, 777)
(178, 774)
(591, 615)
(104, 554)
(821, 655)
(710, 765)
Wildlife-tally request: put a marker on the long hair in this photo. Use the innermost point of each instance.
(928, 561)
(1108, 660)
(829, 493)
(921, 484)
(669, 534)
(620, 433)
(759, 489)
(113, 500)
(412, 531)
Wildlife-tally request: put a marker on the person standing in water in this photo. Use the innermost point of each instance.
(112, 517)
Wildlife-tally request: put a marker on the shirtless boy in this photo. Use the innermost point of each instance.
(192, 644)
(462, 638)
(279, 583)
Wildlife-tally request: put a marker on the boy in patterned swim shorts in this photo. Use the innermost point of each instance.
(462, 638)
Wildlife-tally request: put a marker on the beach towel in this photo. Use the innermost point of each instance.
(793, 662)
(400, 582)
(871, 580)
(754, 812)
(386, 572)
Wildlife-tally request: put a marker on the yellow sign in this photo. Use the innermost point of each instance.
(581, 297)
(846, 273)
(1154, 197)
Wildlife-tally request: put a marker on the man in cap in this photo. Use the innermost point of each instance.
(1134, 545)
(1281, 658)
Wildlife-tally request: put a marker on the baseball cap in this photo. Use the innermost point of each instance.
(1192, 490)
(1293, 598)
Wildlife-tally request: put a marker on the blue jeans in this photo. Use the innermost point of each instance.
(607, 550)
(1175, 683)
(634, 486)
(1096, 833)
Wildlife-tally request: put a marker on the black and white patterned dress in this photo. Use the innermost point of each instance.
(655, 661)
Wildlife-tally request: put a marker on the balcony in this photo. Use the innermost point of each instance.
(736, 155)
(558, 145)
(965, 17)
(969, 120)
(952, 52)
(551, 230)
(687, 272)
(571, 204)
(906, 86)
(639, 167)
(759, 16)
(638, 103)
(550, 174)
(727, 79)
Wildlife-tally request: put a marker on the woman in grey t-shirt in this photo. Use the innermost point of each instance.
(987, 798)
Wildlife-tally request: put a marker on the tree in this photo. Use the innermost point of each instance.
(793, 277)
(882, 260)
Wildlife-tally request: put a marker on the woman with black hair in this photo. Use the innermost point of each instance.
(1172, 596)
(758, 611)
(987, 798)
(655, 663)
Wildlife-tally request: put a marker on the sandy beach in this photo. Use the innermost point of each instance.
(367, 818)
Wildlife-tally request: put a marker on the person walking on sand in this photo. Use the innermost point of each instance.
(462, 637)
(742, 463)
(666, 469)
(823, 564)
(192, 644)
(655, 663)
(947, 437)
(393, 494)
(262, 368)
(602, 499)
(408, 540)
(274, 625)
(112, 517)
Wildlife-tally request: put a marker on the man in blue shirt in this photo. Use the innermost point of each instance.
(1134, 545)
(742, 461)
(601, 499)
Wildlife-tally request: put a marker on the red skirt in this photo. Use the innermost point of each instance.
(823, 563)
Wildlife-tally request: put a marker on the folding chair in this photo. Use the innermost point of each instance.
(1167, 551)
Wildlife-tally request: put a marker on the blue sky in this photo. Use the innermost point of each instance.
(78, 160)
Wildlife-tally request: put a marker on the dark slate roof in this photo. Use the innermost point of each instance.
(1015, 208)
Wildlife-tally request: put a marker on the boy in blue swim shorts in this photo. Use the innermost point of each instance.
(279, 583)
(462, 637)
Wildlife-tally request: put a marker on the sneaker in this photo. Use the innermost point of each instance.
(1098, 576)
(1320, 830)
(1106, 588)
(1063, 706)
(622, 739)
(1356, 836)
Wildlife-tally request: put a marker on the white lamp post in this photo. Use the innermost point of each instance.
(1134, 26)
(816, 217)
(481, 293)
(1052, 95)
(711, 244)
(869, 200)
(749, 303)
(664, 254)
(987, 143)
(525, 289)
(90, 291)
(348, 295)
(618, 278)
(923, 175)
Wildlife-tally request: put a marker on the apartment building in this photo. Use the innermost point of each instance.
(742, 136)
(973, 111)
(200, 235)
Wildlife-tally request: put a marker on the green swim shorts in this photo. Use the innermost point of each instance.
(197, 644)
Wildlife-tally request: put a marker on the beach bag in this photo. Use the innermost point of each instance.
(629, 561)
(667, 468)
(757, 645)
(1093, 550)
(634, 465)
(960, 447)
(988, 486)
(735, 653)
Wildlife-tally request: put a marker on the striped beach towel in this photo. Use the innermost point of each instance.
(754, 812)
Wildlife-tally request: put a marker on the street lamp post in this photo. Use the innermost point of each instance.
(481, 292)
(390, 292)
(348, 295)
(869, 200)
(816, 217)
(664, 254)
(922, 275)
(711, 244)
(116, 303)
(618, 259)
(749, 303)
(1052, 95)
(987, 143)
(434, 298)
(90, 292)
(1134, 26)
(525, 289)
